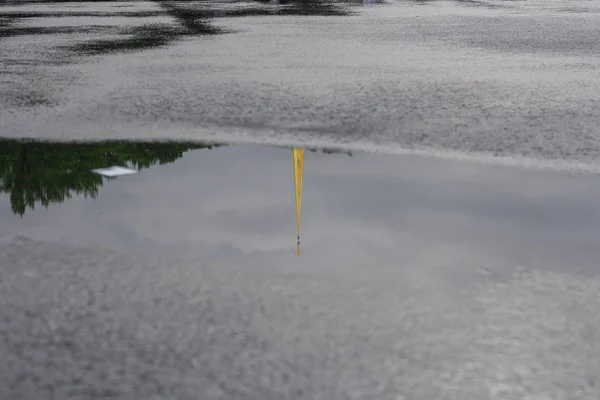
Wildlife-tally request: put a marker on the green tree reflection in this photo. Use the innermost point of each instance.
(43, 173)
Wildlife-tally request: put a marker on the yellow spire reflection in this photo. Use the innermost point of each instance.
(298, 170)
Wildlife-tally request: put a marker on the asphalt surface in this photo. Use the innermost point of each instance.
(445, 78)
(419, 278)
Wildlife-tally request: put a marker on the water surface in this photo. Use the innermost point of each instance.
(418, 278)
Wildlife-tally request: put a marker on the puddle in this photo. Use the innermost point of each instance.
(455, 256)
(385, 208)
(39, 174)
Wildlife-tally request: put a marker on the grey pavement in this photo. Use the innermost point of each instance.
(446, 78)
(420, 278)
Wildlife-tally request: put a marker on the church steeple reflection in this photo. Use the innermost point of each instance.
(298, 156)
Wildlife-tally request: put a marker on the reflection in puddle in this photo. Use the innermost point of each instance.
(392, 244)
(239, 199)
(39, 173)
(298, 174)
(44, 173)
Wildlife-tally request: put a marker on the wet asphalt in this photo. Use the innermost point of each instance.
(420, 278)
